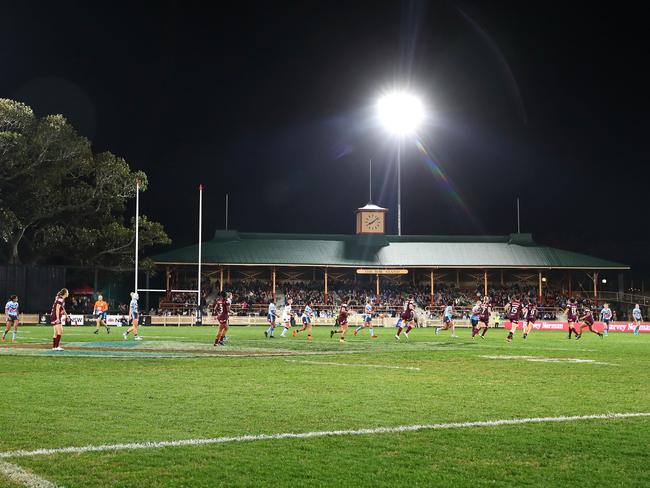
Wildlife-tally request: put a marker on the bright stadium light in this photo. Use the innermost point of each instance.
(400, 113)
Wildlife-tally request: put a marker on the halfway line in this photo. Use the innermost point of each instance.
(307, 435)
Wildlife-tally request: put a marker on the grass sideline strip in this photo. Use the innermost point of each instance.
(306, 435)
(17, 474)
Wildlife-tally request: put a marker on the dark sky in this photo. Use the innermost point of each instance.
(274, 103)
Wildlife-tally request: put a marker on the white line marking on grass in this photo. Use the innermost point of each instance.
(328, 363)
(538, 359)
(309, 435)
(19, 475)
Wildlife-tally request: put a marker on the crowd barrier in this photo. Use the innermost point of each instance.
(598, 326)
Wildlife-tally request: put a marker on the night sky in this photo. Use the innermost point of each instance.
(274, 104)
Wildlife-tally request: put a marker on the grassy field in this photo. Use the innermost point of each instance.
(175, 386)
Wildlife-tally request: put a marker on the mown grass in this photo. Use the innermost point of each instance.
(49, 401)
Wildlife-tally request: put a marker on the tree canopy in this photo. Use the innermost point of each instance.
(59, 201)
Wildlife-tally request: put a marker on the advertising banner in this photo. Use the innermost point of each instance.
(598, 326)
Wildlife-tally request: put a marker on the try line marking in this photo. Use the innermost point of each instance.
(329, 363)
(309, 435)
(19, 475)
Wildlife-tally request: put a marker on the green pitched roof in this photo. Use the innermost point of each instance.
(513, 251)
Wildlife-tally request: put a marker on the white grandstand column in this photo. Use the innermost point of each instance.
(377, 287)
(540, 287)
(432, 288)
(595, 287)
(325, 285)
(221, 279)
(485, 283)
(273, 280)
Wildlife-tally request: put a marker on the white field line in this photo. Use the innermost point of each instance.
(19, 475)
(309, 435)
(538, 359)
(329, 363)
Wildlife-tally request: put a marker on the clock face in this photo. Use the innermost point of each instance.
(372, 222)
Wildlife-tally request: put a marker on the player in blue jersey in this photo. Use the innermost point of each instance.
(307, 316)
(271, 317)
(473, 319)
(134, 316)
(448, 320)
(636, 315)
(367, 321)
(11, 311)
(606, 317)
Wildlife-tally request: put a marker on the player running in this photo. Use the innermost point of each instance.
(307, 315)
(587, 320)
(572, 316)
(12, 313)
(101, 312)
(58, 317)
(530, 317)
(367, 321)
(287, 315)
(484, 317)
(513, 312)
(407, 320)
(222, 312)
(271, 317)
(448, 320)
(473, 319)
(605, 318)
(134, 316)
(636, 315)
(342, 323)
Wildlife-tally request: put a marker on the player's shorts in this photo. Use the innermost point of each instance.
(222, 319)
(12, 318)
(636, 321)
(571, 318)
(270, 317)
(367, 318)
(531, 321)
(101, 315)
(306, 320)
(473, 321)
(446, 319)
(485, 320)
(607, 321)
(134, 316)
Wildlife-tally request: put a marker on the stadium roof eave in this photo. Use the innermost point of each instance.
(396, 266)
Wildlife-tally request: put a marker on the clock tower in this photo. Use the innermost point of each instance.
(371, 219)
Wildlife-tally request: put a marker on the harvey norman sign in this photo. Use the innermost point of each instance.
(386, 271)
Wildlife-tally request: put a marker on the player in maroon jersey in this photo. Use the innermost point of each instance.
(587, 319)
(221, 311)
(530, 317)
(484, 317)
(513, 312)
(407, 320)
(572, 316)
(58, 317)
(342, 323)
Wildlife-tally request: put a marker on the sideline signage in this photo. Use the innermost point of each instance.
(385, 271)
(598, 326)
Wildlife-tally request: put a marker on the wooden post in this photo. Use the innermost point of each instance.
(167, 277)
(273, 283)
(228, 278)
(502, 283)
(377, 288)
(595, 288)
(433, 294)
(485, 284)
(540, 287)
(220, 279)
(326, 301)
(457, 278)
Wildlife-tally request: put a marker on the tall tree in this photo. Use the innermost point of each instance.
(61, 202)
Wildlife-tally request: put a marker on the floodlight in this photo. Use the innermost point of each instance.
(400, 112)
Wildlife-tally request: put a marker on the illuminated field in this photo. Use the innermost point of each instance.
(422, 404)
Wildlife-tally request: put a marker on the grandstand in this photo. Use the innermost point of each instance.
(331, 268)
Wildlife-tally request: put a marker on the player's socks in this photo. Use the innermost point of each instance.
(510, 335)
(399, 331)
(13, 336)
(358, 329)
(284, 332)
(53, 342)
(484, 331)
(372, 332)
(437, 330)
(474, 332)
(58, 340)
